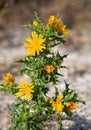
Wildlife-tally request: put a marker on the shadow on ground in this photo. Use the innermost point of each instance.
(80, 123)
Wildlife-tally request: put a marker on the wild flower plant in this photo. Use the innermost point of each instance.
(33, 107)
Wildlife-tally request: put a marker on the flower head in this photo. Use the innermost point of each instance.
(57, 104)
(35, 44)
(25, 89)
(61, 28)
(8, 79)
(35, 23)
(52, 20)
(72, 105)
(49, 68)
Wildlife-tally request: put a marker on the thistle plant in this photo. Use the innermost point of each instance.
(33, 107)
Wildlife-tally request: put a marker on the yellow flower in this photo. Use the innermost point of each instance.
(49, 68)
(57, 104)
(52, 20)
(25, 89)
(35, 44)
(61, 28)
(35, 23)
(8, 79)
(72, 105)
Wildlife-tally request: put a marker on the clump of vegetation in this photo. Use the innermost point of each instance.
(33, 107)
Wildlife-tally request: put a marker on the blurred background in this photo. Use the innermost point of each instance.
(76, 14)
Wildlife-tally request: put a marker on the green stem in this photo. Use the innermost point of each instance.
(56, 91)
(59, 122)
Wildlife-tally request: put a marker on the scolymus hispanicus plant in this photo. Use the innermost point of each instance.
(33, 107)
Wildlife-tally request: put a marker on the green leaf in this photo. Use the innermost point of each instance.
(1, 87)
(37, 17)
